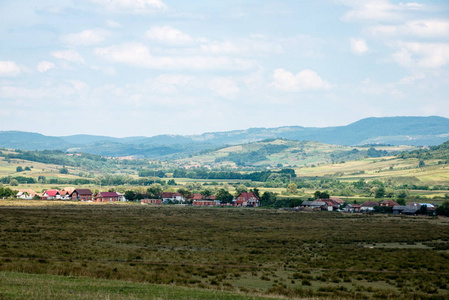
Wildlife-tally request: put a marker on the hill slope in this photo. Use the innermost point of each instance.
(416, 131)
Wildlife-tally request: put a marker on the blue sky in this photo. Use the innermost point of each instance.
(148, 67)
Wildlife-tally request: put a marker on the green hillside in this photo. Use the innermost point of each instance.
(287, 153)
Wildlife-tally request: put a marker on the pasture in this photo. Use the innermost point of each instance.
(251, 252)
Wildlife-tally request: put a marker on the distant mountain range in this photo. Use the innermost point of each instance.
(416, 131)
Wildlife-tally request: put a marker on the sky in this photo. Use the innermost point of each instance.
(148, 67)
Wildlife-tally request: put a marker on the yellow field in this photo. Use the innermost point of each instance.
(379, 168)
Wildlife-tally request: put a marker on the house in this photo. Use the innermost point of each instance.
(388, 203)
(68, 189)
(337, 200)
(205, 202)
(368, 206)
(121, 197)
(81, 195)
(151, 201)
(172, 197)
(51, 195)
(64, 195)
(247, 200)
(330, 203)
(352, 208)
(106, 197)
(26, 194)
(197, 197)
(313, 206)
(405, 209)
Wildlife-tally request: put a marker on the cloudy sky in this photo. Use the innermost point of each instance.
(148, 67)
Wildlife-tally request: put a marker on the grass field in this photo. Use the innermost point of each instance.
(38, 286)
(250, 251)
(381, 168)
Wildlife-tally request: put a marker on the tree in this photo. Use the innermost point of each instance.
(224, 196)
(14, 182)
(27, 168)
(401, 201)
(19, 169)
(207, 192)
(321, 195)
(185, 193)
(359, 184)
(292, 188)
(240, 189)
(268, 198)
(6, 192)
(421, 164)
(380, 192)
(443, 209)
(130, 195)
(64, 170)
(402, 194)
(155, 190)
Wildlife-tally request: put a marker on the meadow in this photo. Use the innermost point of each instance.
(250, 252)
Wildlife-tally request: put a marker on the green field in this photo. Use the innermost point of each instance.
(250, 251)
(39, 286)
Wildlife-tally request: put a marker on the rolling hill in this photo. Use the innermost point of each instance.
(413, 131)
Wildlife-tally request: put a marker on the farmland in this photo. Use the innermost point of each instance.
(250, 251)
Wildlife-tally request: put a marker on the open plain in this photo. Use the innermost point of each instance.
(249, 252)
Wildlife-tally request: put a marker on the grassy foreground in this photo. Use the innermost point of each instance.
(32, 286)
(252, 251)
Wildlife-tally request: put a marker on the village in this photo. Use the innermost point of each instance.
(244, 199)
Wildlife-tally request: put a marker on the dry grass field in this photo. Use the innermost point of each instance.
(250, 251)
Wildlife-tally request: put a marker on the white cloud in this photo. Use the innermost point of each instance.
(224, 87)
(421, 55)
(113, 24)
(9, 69)
(377, 10)
(85, 37)
(370, 10)
(225, 47)
(44, 66)
(304, 80)
(169, 35)
(411, 5)
(138, 55)
(133, 6)
(358, 46)
(170, 83)
(418, 28)
(69, 55)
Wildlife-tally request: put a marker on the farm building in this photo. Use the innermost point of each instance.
(205, 203)
(106, 197)
(352, 208)
(313, 206)
(151, 201)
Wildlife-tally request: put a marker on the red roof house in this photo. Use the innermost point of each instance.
(388, 203)
(51, 195)
(106, 197)
(247, 200)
